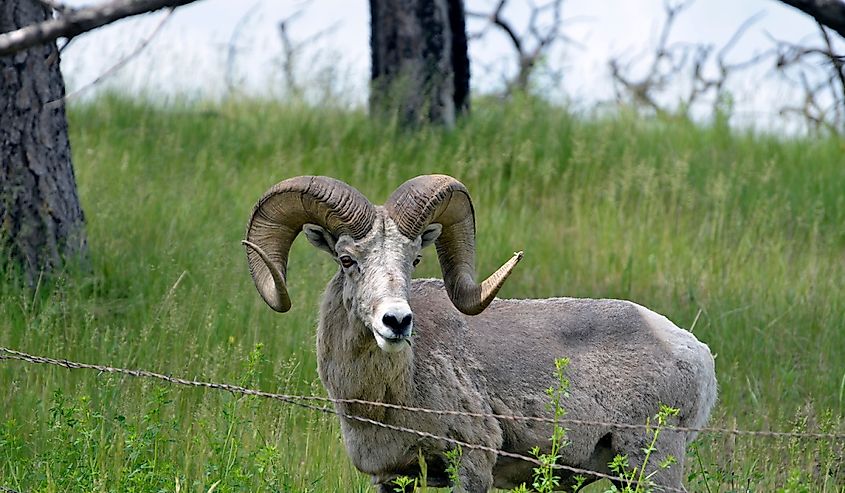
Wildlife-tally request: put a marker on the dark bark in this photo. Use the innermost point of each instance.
(829, 13)
(41, 221)
(420, 67)
(460, 55)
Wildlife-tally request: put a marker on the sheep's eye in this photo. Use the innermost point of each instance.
(346, 261)
(417, 261)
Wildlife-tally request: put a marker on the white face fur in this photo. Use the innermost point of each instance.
(377, 276)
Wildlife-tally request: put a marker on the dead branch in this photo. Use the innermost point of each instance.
(540, 37)
(665, 65)
(813, 113)
(683, 62)
(836, 62)
(823, 99)
(55, 5)
(117, 66)
(291, 50)
(829, 13)
(72, 23)
(232, 49)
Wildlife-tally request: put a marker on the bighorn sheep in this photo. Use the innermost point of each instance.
(383, 337)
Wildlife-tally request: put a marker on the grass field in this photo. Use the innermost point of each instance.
(744, 233)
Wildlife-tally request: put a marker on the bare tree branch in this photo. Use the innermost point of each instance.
(55, 5)
(542, 38)
(814, 114)
(117, 66)
(824, 98)
(685, 62)
(291, 49)
(835, 61)
(496, 19)
(233, 49)
(75, 22)
(830, 13)
(641, 91)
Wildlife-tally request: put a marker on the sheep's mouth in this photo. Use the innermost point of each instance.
(391, 344)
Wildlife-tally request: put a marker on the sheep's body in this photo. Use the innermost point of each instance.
(625, 361)
(384, 338)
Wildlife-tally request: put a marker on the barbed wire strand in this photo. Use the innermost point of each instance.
(484, 448)
(17, 355)
(294, 399)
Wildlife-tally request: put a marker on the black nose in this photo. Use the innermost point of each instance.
(399, 327)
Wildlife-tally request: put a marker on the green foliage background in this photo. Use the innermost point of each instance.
(743, 232)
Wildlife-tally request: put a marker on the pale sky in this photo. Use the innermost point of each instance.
(189, 57)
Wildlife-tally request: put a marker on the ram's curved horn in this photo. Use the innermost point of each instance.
(442, 199)
(278, 217)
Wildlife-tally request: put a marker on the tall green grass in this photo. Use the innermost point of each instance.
(741, 235)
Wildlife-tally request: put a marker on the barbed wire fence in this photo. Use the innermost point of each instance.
(307, 402)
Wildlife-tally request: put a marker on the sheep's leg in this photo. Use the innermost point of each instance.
(476, 472)
(669, 444)
(673, 476)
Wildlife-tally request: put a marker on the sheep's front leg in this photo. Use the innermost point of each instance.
(475, 472)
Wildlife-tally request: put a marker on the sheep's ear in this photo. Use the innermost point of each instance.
(431, 233)
(320, 238)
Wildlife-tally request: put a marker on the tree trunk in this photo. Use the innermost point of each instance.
(41, 221)
(420, 67)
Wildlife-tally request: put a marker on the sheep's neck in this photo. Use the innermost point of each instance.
(350, 363)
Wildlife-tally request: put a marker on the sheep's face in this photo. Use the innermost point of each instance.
(376, 274)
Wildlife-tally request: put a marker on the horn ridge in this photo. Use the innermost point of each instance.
(278, 217)
(442, 199)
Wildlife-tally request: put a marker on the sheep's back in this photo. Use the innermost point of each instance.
(625, 360)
